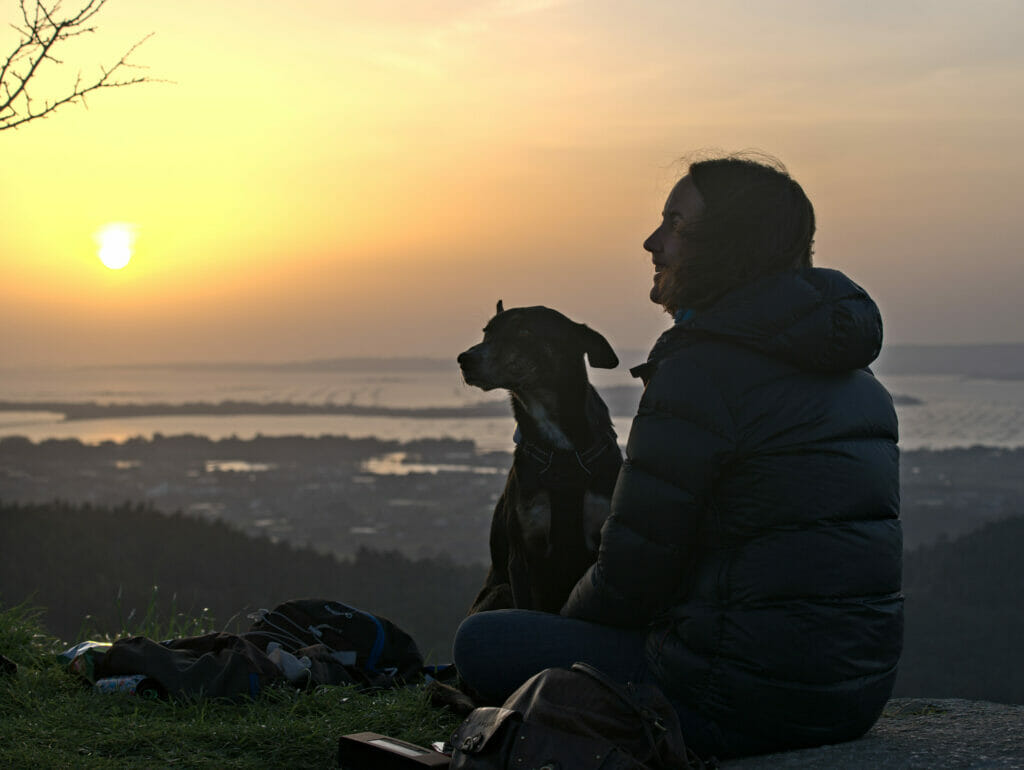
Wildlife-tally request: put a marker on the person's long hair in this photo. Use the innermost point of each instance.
(757, 221)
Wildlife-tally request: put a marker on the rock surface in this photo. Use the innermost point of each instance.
(918, 733)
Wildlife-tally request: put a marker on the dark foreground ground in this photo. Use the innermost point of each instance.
(919, 734)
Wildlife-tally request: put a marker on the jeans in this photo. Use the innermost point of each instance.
(497, 651)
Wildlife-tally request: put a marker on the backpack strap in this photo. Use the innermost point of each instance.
(653, 726)
(477, 733)
(279, 633)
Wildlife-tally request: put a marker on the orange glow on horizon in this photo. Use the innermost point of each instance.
(329, 178)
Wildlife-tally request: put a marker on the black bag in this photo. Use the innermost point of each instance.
(574, 719)
(214, 665)
(372, 649)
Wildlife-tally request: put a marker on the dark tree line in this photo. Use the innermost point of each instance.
(964, 617)
(77, 561)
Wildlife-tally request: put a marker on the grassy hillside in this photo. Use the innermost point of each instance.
(49, 720)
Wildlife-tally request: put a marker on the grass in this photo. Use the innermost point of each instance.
(48, 719)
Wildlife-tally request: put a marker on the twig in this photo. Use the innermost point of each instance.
(45, 29)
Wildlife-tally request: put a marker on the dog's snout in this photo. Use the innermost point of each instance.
(471, 357)
(474, 366)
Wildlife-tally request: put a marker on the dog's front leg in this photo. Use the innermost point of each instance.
(496, 593)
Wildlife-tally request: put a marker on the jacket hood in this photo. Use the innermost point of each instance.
(816, 319)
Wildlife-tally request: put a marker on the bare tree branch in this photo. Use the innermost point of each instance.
(45, 26)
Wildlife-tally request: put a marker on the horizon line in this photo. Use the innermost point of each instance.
(408, 362)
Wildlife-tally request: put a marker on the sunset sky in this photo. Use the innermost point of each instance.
(324, 178)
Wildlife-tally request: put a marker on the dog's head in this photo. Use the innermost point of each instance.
(533, 347)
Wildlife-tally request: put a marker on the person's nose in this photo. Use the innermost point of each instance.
(652, 244)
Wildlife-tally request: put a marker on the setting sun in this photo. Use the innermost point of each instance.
(115, 242)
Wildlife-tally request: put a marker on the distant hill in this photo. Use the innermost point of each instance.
(346, 364)
(998, 362)
(621, 400)
(1004, 361)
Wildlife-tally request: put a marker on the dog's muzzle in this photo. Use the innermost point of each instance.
(472, 364)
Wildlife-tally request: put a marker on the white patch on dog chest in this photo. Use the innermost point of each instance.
(535, 520)
(548, 427)
(595, 510)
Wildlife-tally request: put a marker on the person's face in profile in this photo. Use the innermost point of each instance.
(668, 244)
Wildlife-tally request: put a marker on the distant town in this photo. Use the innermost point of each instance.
(423, 498)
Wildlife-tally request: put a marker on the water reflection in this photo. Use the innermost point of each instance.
(394, 464)
(237, 466)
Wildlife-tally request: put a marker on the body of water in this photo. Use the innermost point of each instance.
(955, 411)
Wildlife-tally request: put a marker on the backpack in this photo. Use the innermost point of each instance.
(574, 719)
(373, 650)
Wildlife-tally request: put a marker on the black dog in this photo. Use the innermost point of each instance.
(547, 524)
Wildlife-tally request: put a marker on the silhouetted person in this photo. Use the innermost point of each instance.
(751, 562)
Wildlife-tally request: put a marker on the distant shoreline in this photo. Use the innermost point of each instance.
(621, 400)
(91, 410)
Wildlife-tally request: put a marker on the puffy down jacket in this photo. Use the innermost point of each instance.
(754, 526)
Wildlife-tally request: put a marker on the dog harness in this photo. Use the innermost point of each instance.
(561, 467)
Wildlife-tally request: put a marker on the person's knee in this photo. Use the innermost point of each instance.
(470, 645)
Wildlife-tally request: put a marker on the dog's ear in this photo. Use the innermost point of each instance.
(599, 352)
(501, 308)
